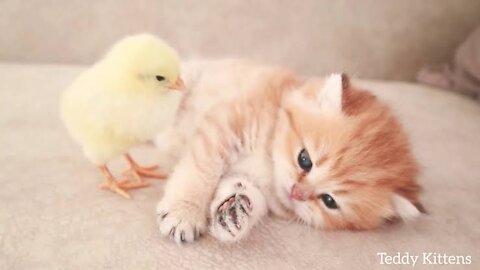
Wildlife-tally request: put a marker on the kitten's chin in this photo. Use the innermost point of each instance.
(303, 212)
(306, 212)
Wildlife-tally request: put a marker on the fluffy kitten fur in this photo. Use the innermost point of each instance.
(234, 154)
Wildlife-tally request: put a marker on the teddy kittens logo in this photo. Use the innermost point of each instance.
(425, 258)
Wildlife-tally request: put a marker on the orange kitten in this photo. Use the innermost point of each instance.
(251, 139)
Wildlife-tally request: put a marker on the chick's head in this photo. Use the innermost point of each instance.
(144, 62)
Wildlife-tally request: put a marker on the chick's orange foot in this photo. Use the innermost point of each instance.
(120, 188)
(137, 172)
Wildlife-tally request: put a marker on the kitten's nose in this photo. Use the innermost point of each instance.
(297, 194)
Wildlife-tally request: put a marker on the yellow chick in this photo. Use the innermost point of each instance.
(124, 99)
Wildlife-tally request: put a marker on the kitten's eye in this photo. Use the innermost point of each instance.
(160, 78)
(328, 201)
(304, 160)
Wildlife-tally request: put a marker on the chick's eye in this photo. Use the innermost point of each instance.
(160, 78)
(304, 160)
(328, 201)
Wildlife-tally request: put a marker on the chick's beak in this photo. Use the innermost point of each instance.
(177, 85)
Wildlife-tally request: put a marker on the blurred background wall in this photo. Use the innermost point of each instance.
(387, 39)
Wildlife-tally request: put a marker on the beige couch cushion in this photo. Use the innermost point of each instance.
(369, 38)
(52, 216)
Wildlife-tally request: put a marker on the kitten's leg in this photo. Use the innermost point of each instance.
(235, 209)
(182, 212)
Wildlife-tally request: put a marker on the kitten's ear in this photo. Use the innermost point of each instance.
(330, 96)
(405, 209)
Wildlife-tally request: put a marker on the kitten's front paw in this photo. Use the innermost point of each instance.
(181, 221)
(230, 219)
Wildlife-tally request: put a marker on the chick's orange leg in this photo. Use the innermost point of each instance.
(111, 184)
(138, 171)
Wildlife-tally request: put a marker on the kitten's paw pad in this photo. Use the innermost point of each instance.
(230, 220)
(183, 223)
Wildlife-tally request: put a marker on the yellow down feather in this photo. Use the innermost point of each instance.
(122, 100)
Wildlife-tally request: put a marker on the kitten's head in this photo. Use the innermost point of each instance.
(341, 158)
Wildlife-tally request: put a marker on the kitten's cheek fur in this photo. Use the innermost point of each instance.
(284, 180)
(284, 171)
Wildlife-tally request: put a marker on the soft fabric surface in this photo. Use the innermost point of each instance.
(52, 216)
